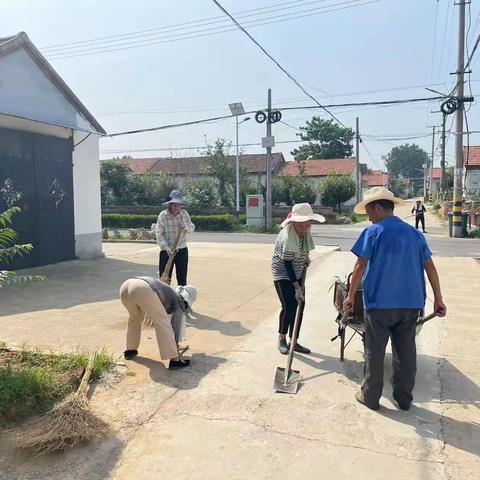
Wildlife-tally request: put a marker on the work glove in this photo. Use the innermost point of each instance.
(168, 250)
(299, 295)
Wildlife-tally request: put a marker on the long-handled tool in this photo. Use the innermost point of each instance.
(423, 320)
(286, 379)
(166, 271)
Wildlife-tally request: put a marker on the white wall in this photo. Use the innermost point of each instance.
(472, 181)
(27, 92)
(86, 189)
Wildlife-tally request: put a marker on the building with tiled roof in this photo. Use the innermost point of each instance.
(188, 168)
(471, 158)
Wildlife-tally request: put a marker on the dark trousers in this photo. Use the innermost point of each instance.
(180, 262)
(286, 294)
(399, 324)
(421, 219)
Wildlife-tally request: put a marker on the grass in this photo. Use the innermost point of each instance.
(32, 381)
(474, 233)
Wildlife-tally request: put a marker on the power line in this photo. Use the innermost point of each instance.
(176, 27)
(167, 149)
(434, 41)
(201, 33)
(290, 76)
(254, 104)
(308, 107)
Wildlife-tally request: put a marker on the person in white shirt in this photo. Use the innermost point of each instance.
(172, 221)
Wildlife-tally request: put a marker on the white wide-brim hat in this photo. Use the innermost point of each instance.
(376, 193)
(175, 197)
(188, 293)
(302, 212)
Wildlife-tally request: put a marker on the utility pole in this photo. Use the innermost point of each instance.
(268, 181)
(442, 161)
(358, 184)
(429, 170)
(458, 176)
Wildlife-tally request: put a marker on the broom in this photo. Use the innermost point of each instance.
(165, 278)
(69, 423)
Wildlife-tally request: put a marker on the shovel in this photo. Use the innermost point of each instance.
(286, 379)
(423, 320)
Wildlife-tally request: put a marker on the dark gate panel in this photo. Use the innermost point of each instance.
(55, 232)
(36, 175)
(17, 188)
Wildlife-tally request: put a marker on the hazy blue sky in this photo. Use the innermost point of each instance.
(385, 46)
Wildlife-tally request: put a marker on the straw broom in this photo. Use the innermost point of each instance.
(68, 424)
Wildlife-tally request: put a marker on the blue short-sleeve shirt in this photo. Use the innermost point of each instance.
(396, 254)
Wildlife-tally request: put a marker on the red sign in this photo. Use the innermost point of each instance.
(253, 202)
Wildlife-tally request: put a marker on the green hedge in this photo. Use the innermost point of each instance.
(205, 223)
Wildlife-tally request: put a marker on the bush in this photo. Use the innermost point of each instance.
(206, 223)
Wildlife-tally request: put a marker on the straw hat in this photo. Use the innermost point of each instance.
(302, 212)
(377, 193)
(188, 293)
(175, 197)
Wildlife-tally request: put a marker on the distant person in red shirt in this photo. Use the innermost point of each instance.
(419, 211)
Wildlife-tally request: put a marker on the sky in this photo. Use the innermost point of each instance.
(150, 63)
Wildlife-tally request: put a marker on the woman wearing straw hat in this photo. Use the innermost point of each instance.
(170, 222)
(166, 307)
(289, 262)
(392, 258)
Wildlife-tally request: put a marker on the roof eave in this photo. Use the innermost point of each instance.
(22, 41)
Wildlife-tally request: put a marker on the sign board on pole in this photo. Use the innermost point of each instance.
(268, 142)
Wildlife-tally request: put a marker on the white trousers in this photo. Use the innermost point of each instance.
(140, 300)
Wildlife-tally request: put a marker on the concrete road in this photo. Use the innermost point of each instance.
(220, 417)
(344, 236)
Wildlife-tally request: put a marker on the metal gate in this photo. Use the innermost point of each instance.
(36, 175)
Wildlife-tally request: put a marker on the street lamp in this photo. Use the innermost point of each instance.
(237, 109)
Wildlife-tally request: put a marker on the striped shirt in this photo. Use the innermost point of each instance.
(168, 227)
(279, 269)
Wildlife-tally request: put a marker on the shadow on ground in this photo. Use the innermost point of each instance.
(183, 379)
(455, 388)
(205, 322)
(95, 461)
(72, 283)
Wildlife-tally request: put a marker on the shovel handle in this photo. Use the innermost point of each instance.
(296, 328)
(427, 318)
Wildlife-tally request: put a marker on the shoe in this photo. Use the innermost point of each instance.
(176, 364)
(282, 346)
(301, 349)
(402, 405)
(424, 231)
(129, 354)
(359, 398)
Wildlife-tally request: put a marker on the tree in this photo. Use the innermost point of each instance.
(406, 161)
(293, 189)
(115, 181)
(280, 191)
(151, 189)
(201, 193)
(326, 139)
(222, 169)
(9, 249)
(337, 189)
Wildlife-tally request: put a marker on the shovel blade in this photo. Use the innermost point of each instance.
(291, 385)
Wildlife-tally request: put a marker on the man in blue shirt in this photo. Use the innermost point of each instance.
(392, 258)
